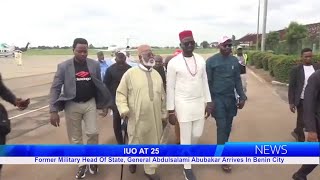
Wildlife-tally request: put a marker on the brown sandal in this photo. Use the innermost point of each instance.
(226, 168)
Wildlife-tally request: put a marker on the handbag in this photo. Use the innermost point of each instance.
(5, 124)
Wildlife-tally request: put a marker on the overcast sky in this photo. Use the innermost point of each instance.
(155, 22)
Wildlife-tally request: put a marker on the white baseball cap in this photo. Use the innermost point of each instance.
(224, 39)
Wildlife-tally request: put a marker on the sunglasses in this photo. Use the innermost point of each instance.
(227, 45)
(150, 54)
(189, 43)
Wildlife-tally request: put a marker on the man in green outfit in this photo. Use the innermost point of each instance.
(223, 78)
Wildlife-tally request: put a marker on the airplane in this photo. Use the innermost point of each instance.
(114, 48)
(6, 50)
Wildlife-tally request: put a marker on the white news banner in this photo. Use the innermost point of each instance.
(159, 160)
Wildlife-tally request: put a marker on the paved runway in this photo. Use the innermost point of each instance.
(266, 117)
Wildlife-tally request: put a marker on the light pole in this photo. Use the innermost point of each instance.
(258, 25)
(264, 25)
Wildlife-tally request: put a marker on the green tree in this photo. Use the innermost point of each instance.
(294, 34)
(91, 46)
(272, 40)
(205, 44)
(234, 42)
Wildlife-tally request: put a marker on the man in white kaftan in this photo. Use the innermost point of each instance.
(188, 95)
(141, 98)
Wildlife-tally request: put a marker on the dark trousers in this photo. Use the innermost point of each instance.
(2, 142)
(300, 125)
(117, 125)
(224, 126)
(308, 168)
(224, 112)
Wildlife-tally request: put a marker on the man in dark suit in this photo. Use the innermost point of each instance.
(159, 67)
(8, 96)
(78, 90)
(311, 117)
(297, 84)
(112, 79)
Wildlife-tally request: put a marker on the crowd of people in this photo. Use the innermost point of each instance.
(181, 90)
(154, 92)
(304, 97)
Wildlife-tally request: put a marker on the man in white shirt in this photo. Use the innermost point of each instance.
(297, 83)
(188, 95)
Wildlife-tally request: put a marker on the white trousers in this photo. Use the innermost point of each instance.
(190, 132)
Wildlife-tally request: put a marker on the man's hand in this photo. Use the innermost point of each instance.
(22, 104)
(209, 109)
(55, 119)
(104, 112)
(312, 137)
(292, 108)
(241, 104)
(172, 118)
(164, 123)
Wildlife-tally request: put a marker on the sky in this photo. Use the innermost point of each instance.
(153, 22)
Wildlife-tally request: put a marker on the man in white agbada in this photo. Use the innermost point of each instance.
(188, 95)
(141, 98)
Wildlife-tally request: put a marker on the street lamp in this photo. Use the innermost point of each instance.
(264, 25)
(258, 25)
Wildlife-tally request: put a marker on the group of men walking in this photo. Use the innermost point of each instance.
(304, 98)
(182, 91)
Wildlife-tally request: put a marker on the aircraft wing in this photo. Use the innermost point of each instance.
(114, 50)
(104, 50)
(130, 50)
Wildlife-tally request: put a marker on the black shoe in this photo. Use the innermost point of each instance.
(152, 176)
(132, 168)
(93, 169)
(82, 172)
(298, 137)
(188, 174)
(297, 176)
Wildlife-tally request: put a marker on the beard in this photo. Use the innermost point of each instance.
(149, 63)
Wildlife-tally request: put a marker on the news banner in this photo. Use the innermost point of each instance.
(230, 153)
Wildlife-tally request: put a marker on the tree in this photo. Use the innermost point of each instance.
(91, 46)
(205, 44)
(272, 40)
(295, 33)
(233, 38)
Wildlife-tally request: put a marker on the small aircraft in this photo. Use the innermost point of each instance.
(114, 48)
(6, 50)
(9, 51)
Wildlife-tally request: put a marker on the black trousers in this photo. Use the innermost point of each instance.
(117, 125)
(2, 142)
(308, 168)
(300, 125)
